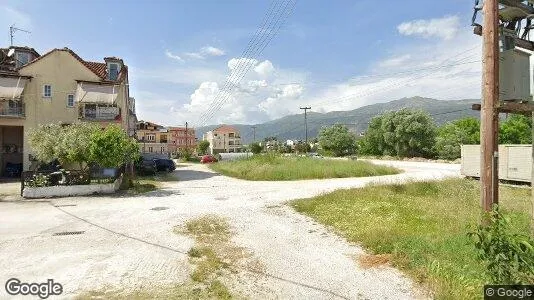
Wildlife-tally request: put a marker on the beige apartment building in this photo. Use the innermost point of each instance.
(57, 87)
(153, 138)
(223, 139)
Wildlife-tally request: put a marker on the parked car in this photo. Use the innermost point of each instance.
(146, 166)
(166, 165)
(206, 159)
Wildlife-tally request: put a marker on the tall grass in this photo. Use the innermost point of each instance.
(275, 167)
(422, 225)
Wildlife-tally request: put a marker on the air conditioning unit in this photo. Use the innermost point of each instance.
(514, 75)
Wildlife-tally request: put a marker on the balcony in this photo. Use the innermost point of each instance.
(94, 112)
(12, 109)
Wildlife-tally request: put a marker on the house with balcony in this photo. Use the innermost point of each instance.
(181, 138)
(153, 139)
(224, 139)
(57, 87)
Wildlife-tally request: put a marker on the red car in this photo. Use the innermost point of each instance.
(206, 159)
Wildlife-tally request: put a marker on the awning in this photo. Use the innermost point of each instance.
(11, 87)
(96, 93)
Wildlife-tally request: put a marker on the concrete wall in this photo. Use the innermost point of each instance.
(71, 190)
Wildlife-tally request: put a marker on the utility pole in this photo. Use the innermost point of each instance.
(254, 132)
(186, 136)
(306, 123)
(489, 113)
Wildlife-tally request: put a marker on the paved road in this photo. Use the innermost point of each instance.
(127, 245)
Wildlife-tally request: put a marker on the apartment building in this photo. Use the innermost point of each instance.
(223, 139)
(57, 87)
(180, 138)
(153, 138)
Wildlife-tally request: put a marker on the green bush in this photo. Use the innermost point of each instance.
(508, 257)
(256, 148)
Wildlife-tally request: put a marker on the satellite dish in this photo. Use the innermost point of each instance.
(10, 52)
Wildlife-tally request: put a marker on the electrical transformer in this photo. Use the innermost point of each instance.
(514, 70)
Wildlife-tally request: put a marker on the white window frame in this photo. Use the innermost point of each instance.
(151, 137)
(44, 91)
(68, 104)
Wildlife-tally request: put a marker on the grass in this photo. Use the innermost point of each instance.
(273, 167)
(212, 235)
(420, 228)
(145, 184)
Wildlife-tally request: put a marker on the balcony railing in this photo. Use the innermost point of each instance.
(12, 109)
(100, 113)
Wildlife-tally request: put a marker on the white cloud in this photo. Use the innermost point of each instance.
(395, 61)
(169, 54)
(265, 68)
(212, 51)
(445, 28)
(205, 52)
(194, 55)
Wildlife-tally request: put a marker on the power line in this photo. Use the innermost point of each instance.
(273, 31)
(252, 44)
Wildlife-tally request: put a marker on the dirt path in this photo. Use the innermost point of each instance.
(128, 245)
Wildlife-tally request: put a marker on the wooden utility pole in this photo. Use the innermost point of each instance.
(489, 113)
(254, 132)
(186, 135)
(306, 123)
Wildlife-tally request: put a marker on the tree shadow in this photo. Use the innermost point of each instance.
(192, 175)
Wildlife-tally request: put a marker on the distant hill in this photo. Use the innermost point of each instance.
(292, 126)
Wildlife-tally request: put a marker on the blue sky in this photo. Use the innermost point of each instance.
(180, 52)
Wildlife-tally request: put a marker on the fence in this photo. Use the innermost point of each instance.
(34, 179)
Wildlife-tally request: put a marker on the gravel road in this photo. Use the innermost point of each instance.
(127, 245)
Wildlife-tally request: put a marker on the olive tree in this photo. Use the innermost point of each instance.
(338, 140)
(112, 147)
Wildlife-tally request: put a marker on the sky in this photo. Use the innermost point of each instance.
(328, 55)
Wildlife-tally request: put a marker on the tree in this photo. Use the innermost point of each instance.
(338, 140)
(404, 133)
(112, 147)
(452, 135)
(44, 140)
(517, 129)
(68, 144)
(203, 146)
(256, 148)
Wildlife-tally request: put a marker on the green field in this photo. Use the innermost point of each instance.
(275, 167)
(420, 227)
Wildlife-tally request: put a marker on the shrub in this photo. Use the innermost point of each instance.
(256, 148)
(508, 257)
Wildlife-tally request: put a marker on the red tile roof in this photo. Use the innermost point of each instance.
(225, 129)
(98, 68)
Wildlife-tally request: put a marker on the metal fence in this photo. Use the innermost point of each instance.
(69, 177)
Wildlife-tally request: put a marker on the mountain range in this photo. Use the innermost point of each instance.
(292, 126)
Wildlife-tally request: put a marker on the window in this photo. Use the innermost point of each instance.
(47, 90)
(150, 149)
(163, 138)
(70, 100)
(151, 138)
(113, 71)
(22, 59)
(162, 149)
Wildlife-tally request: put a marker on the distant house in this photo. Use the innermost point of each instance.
(57, 87)
(224, 139)
(181, 138)
(153, 138)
